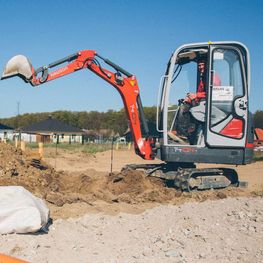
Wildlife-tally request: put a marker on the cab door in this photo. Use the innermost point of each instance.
(227, 100)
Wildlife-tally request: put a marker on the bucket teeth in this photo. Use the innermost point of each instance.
(18, 66)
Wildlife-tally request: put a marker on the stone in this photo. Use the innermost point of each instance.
(173, 253)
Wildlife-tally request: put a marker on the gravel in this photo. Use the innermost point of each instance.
(226, 230)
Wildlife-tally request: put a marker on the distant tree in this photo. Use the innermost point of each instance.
(258, 119)
(150, 115)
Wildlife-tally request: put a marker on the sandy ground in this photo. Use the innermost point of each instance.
(80, 161)
(126, 217)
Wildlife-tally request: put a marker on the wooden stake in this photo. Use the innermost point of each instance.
(129, 146)
(117, 146)
(41, 149)
(16, 142)
(23, 146)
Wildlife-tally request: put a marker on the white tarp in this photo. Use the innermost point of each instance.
(21, 211)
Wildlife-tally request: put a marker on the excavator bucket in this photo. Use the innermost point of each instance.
(18, 66)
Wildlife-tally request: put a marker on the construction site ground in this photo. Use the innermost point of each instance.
(126, 217)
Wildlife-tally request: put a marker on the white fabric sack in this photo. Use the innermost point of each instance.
(21, 211)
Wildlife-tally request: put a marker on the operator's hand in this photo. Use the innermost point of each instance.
(190, 97)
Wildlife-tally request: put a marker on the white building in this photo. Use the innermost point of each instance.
(51, 131)
(6, 132)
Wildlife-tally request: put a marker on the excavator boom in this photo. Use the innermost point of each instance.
(125, 83)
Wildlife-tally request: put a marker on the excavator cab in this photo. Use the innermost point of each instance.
(203, 111)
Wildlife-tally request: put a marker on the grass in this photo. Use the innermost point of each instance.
(87, 148)
(258, 156)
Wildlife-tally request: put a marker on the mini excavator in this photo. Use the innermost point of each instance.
(202, 112)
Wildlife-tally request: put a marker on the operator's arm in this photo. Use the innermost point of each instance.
(195, 97)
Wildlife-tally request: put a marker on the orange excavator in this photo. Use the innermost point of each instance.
(211, 124)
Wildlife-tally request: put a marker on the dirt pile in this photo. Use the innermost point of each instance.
(17, 168)
(59, 188)
(62, 187)
(12, 161)
(133, 186)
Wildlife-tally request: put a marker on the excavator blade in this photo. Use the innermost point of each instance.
(18, 66)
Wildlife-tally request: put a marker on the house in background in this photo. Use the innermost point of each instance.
(6, 132)
(50, 131)
(99, 136)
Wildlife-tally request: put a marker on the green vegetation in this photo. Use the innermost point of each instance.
(87, 148)
(258, 119)
(258, 156)
(93, 120)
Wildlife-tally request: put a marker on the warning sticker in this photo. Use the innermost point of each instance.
(218, 55)
(221, 93)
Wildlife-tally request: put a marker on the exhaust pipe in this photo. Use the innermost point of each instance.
(18, 66)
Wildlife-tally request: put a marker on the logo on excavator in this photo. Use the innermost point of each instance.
(133, 115)
(185, 150)
(57, 72)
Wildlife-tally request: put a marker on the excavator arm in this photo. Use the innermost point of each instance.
(125, 83)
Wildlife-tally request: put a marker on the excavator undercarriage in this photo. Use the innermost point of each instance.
(186, 177)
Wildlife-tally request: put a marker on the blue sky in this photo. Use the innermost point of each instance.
(138, 35)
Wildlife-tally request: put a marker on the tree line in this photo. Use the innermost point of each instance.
(93, 120)
(258, 119)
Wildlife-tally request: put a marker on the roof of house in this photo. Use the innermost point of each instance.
(259, 134)
(5, 127)
(50, 125)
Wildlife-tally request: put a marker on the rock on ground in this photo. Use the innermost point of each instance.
(226, 230)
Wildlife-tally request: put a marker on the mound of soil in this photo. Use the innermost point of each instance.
(61, 188)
